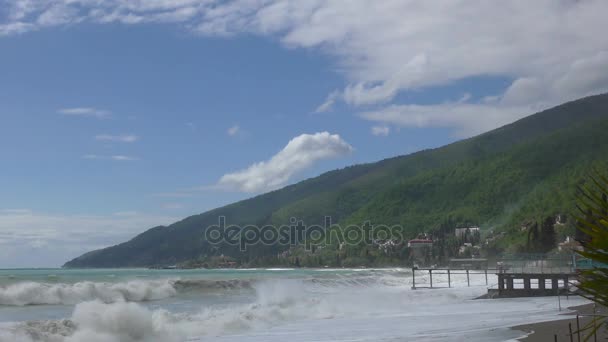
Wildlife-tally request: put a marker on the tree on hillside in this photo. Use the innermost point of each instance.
(593, 223)
(579, 235)
(533, 238)
(547, 234)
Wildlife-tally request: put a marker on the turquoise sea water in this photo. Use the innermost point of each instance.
(59, 275)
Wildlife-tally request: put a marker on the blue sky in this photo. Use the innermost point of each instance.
(118, 116)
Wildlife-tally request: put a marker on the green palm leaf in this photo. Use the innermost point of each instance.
(592, 221)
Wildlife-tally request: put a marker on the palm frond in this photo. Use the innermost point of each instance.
(592, 221)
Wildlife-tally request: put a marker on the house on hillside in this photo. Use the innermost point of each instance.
(461, 233)
(420, 248)
(569, 245)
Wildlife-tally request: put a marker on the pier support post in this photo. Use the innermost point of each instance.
(431, 277)
(468, 282)
(449, 279)
(501, 282)
(486, 272)
(554, 284)
(509, 283)
(527, 283)
(413, 278)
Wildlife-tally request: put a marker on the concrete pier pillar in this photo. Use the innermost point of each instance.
(527, 283)
(509, 283)
(554, 284)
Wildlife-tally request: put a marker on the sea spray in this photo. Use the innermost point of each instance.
(36, 293)
(31, 293)
(363, 305)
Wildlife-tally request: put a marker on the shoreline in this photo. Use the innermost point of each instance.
(545, 331)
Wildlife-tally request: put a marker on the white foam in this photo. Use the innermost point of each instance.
(31, 293)
(343, 309)
(279, 269)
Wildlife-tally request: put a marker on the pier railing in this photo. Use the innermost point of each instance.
(449, 272)
(536, 264)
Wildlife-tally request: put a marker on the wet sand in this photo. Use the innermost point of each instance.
(545, 331)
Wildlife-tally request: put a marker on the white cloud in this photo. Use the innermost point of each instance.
(234, 130)
(381, 130)
(387, 47)
(470, 119)
(126, 138)
(52, 239)
(329, 102)
(85, 112)
(300, 153)
(117, 157)
(15, 28)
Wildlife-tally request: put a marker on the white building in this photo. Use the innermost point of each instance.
(461, 232)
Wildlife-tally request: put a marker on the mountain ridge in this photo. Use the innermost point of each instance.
(393, 190)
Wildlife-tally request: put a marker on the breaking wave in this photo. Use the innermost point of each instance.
(34, 293)
(275, 301)
(130, 322)
(368, 307)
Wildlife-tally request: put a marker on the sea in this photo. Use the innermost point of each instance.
(274, 304)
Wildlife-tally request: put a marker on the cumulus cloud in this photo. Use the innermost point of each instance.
(126, 138)
(85, 112)
(52, 239)
(300, 153)
(387, 47)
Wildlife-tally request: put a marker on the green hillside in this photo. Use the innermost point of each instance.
(519, 172)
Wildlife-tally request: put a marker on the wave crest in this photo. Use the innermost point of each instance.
(32, 293)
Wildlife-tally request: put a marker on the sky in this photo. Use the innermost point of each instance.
(121, 115)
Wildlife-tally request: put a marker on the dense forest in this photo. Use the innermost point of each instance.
(516, 183)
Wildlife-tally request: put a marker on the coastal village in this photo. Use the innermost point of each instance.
(435, 247)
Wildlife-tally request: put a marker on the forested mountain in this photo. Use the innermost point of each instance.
(522, 171)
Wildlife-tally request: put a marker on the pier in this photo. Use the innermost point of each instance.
(531, 284)
(516, 278)
(471, 267)
(449, 272)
